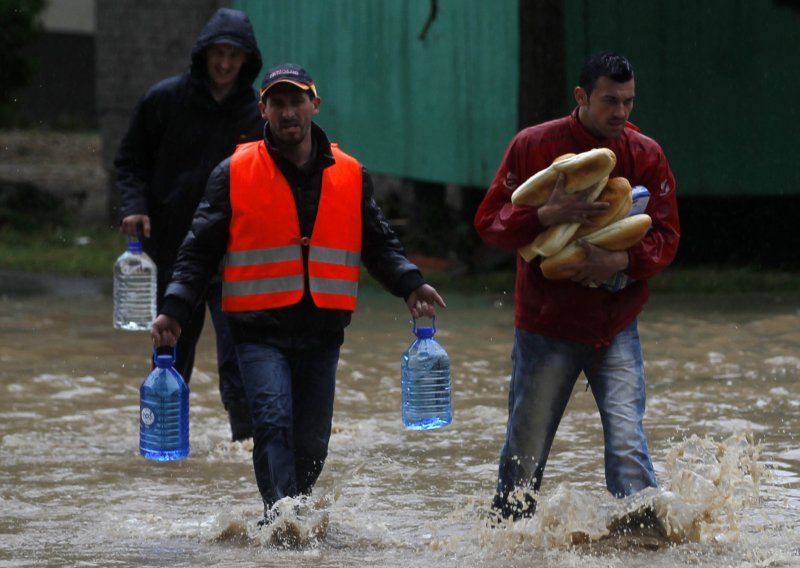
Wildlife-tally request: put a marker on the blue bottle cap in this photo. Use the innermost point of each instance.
(424, 332)
(135, 246)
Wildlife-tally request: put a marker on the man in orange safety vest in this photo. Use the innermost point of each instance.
(294, 217)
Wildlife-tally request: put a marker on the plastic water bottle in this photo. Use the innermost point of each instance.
(134, 289)
(426, 382)
(640, 196)
(164, 412)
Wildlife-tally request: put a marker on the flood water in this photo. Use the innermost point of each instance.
(722, 422)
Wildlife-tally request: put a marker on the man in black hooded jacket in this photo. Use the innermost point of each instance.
(180, 130)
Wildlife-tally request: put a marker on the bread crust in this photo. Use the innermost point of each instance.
(618, 236)
(619, 196)
(585, 169)
(535, 191)
(553, 239)
(581, 170)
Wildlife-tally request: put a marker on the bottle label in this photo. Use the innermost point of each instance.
(148, 417)
(130, 268)
(640, 197)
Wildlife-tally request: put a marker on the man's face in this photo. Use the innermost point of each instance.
(289, 111)
(224, 63)
(605, 112)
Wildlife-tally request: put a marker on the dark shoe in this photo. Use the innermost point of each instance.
(266, 520)
(643, 519)
(512, 508)
(270, 515)
(241, 423)
(640, 528)
(272, 512)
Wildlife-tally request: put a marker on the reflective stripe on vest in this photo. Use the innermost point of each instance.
(264, 263)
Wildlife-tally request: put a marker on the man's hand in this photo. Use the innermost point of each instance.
(421, 301)
(130, 225)
(598, 266)
(165, 331)
(563, 207)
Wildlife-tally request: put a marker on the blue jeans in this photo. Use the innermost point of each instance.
(544, 373)
(290, 390)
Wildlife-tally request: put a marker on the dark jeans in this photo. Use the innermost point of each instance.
(290, 389)
(231, 389)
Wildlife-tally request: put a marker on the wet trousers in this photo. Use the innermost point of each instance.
(231, 389)
(544, 373)
(290, 388)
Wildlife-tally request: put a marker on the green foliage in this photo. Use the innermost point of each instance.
(19, 28)
(68, 251)
(38, 233)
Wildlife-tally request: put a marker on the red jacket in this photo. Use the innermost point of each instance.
(562, 308)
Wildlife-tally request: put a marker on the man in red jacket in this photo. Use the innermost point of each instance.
(565, 327)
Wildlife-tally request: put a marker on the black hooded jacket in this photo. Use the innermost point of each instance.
(179, 133)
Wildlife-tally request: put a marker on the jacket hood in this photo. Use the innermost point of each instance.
(228, 26)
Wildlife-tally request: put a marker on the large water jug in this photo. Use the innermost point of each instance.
(164, 412)
(134, 289)
(426, 382)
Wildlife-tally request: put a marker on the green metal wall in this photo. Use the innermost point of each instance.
(717, 84)
(716, 81)
(439, 109)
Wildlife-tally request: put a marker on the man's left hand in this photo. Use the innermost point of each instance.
(423, 301)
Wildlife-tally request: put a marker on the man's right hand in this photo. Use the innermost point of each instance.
(165, 331)
(130, 225)
(563, 207)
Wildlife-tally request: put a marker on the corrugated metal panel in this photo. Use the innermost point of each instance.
(717, 85)
(439, 109)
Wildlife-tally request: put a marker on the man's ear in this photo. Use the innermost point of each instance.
(581, 97)
(316, 102)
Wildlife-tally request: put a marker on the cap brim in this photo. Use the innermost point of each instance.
(302, 86)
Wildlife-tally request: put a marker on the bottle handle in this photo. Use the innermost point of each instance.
(414, 324)
(174, 353)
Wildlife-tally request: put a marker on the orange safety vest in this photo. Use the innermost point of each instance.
(264, 263)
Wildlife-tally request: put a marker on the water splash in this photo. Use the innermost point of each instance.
(296, 523)
(706, 486)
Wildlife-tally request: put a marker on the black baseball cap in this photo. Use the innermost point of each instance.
(288, 73)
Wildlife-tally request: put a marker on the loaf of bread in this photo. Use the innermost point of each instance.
(620, 235)
(535, 191)
(555, 238)
(618, 194)
(587, 168)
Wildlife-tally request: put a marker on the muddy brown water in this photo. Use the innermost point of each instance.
(722, 422)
